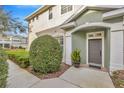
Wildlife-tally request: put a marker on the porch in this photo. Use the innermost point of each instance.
(94, 43)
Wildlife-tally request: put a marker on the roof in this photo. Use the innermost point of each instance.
(38, 11)
(92, 25)
(84, 8)
(113, 14)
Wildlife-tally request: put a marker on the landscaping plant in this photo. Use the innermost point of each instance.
(3, 68)
(19, 56)
(75, 56)
(45, 54)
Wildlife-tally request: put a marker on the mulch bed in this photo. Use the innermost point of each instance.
(63, 68)
(118, 78)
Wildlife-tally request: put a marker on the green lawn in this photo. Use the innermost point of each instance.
(18, 52)
(19, 56)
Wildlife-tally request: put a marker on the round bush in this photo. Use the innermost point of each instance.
(3, 68)
(45, 54)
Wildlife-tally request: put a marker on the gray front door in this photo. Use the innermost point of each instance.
(95, 52)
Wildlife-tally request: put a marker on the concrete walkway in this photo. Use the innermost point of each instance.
(87, 78)
(72, 78)
(19, 78)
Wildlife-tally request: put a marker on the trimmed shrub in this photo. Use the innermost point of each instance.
(3, 68)
(23, 61)
(45, 54)
(20, 57)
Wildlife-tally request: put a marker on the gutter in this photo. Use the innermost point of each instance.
(38, 11)
(113, 14)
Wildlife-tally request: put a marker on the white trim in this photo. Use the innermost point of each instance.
(113, 14)
(94, 37)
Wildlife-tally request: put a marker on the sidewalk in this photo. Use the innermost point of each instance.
(19, 78)
(72, 78)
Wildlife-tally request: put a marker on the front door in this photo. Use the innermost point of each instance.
(95, 52)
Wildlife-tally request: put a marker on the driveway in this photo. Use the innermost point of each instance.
(72, 78)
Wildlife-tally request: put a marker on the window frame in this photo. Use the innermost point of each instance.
(66, 8)
(37, 17)
(50, 13)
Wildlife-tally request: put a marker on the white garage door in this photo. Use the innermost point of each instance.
(68, 50)
(116, 61)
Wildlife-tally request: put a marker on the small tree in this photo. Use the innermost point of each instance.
(8, 23)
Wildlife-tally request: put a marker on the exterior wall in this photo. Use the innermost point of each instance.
(107, 36)
(79, 41)
(116, 42)
(89, 16)
(31, 37)
(117, 51)
(44, 23)
(114, 47)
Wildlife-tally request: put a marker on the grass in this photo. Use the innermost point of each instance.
(17, 52)
(19, 56)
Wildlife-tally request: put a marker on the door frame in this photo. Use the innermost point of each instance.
(94, 36)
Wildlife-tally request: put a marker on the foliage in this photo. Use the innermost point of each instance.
(75, 56)
(8, 23)
(3, 56)
(3, 68)
(45, 54)
(20, 56)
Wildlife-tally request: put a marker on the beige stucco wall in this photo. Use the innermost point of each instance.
(44, 23)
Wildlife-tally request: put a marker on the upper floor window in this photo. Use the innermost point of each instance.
(66, 8)
(32, 19)
(37, 17)
(29, 21)
(50, 13)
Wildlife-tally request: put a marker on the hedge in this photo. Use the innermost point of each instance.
(3, 68)
(19, 56)
(45, 54)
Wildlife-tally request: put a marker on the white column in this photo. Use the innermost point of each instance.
(64, 48)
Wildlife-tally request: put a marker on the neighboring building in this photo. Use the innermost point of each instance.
(97, 31)
(4, 41)
(7, 41)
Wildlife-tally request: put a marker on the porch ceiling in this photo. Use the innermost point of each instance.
(89, 26)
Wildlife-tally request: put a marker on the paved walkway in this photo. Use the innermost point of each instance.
(72, 78)
(87, 78)
(19, 78)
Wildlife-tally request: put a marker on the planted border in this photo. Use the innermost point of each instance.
(3, 68)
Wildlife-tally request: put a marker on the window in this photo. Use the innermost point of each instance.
(30, 28)
(37, 17)
(66, 8)
(50, 14)
(61, 42)
(29, 21)
(32, 19)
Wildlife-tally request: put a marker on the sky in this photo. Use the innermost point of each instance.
(21, 11)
